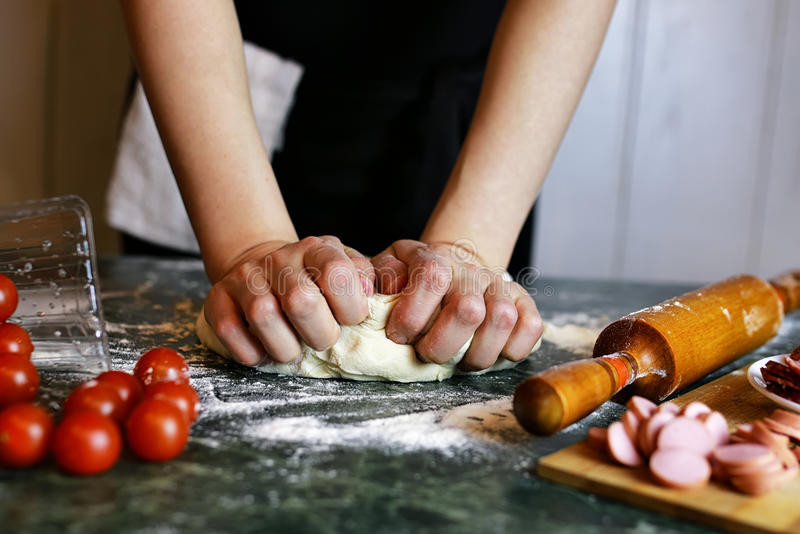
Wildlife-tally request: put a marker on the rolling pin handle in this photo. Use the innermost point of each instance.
(559, 396)
(787, 286)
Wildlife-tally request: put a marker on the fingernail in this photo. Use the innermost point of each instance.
(367, 285)
(397, 338)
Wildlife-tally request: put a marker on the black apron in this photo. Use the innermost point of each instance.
(380, 113)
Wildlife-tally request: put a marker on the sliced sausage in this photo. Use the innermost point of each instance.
(780, 428)
(649, 431)
(779, 444)
(685, 433)
(642, 407)
(786, 418)
(717, 426)
(718, 471)
(773, 466)
(741, 454)
(631, 423)
(621, 447)
(597, 438)
(669, 407)
(680, 468)
(761, 483)
(695, 409)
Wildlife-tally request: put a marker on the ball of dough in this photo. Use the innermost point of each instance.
(362, 352)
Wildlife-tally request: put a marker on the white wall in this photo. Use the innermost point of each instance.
(683, 159)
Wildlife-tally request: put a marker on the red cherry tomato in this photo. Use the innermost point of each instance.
(181, 395)
(25, 431)
(86, 443)
(128, 388)
(19, 380)
(94, 396)
(14, 339)
(8, 297)
(161, 365)
(156, 430)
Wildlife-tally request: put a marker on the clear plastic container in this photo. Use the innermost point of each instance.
(47, 249)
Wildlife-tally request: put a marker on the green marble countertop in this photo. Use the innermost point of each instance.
(281, 454)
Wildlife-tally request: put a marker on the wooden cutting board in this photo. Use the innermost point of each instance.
(715, 505)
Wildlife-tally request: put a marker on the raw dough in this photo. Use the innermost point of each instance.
(572, 338)
(363, 352)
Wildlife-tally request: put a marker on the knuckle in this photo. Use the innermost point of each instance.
(299, 301)
(331, 239)
(470, 310)
(336, 268)
(225, 328)
(532, 323)
(410, 322)
(433, 272)
(214, 294)
(277, 258)
(311, 241)
(243, 270)
(260, 310)
(504, 315)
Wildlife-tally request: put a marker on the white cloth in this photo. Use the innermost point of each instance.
(143, 198)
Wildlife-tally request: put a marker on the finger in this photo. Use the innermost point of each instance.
(224, 317)
(391, 274)
(492, 335)
(460, 316)
(462, 313)
(265, 319)
(361, 263)
(366, 271)
(339, 281)
(429, 279)
(528, 329)
(301, 300)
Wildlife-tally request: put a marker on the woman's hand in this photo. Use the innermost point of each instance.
(474, 300)
(280, 293)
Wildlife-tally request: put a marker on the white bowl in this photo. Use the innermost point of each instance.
(757, 381)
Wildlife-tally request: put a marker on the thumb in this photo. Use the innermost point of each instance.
(391, 273)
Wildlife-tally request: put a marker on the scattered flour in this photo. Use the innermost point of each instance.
(417, 431)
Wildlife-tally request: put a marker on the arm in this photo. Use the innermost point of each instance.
(265, 298)
(541, 58)
(190, 59)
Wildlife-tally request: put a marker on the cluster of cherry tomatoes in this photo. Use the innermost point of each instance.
(155, 406)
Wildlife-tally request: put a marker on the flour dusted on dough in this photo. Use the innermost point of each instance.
(363, 352)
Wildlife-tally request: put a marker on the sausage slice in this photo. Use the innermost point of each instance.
(741, 454)
(680, 468)
(686, 433)
(621, 447)
(643, 408)
(695, 409)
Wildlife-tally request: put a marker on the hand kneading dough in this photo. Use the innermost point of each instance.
(363, 352)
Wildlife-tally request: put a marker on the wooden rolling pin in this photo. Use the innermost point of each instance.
(660, 349)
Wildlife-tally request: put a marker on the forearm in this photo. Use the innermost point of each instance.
(190, 59)
(541, 58)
